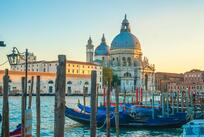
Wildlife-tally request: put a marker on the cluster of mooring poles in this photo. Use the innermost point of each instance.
(181, 101)
(26, 110)
(107, 104)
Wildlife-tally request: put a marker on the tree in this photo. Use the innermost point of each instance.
(107, 75)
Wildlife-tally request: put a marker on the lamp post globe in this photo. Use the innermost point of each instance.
(2, 44)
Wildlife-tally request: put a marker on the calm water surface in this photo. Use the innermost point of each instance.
(73, 129)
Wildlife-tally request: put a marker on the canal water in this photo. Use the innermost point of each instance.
(73, 129)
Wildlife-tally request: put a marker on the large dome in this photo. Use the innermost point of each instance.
(102, 49)
(125, 39)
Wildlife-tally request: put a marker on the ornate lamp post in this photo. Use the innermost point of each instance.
(14, 59)
(2, 44)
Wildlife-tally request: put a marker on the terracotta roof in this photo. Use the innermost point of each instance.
(68, 61)
(44, 74)
(169, 74)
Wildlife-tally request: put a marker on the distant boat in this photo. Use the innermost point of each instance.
(193, 128)
(140, 117)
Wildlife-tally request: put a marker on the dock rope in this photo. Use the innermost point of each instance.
(98, 128)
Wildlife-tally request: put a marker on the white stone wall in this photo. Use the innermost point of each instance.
(80, 70)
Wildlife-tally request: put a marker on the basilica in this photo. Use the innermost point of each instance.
(125, 58)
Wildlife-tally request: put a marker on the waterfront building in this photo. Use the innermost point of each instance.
(78, 76)
(192, 80)
(124, 56)
(165, 80)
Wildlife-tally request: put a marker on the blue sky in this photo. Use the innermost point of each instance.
(171, 32)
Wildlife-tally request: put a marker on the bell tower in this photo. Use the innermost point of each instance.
(89, 51)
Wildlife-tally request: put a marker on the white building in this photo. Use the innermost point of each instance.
(125, 58)
(78, 75)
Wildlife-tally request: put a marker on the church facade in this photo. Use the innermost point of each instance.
(125, 58)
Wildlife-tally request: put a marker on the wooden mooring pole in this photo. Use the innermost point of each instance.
(153, 116)
(182, 102)
(84, 97)
(93, 121)
(177, 102)
(60, 97)
(5, 120)
(28, 112)
(172, 102)
(38, 106)
(124, 99)
(163, 105)
(104, 96)
(117, 110)
(31, 92)
(108, 110)
(23, 107)
(167, 104)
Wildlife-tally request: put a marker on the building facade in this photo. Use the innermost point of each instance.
(78, 75)
(192, 80)
(124, 56)
(164, 81)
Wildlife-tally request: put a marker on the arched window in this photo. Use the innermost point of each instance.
(69, 82)
(50, 82)
(86, 83)
(124, 61)
(127, 74)
(50, 87)
(69, 87)
(129, 61)
(113, 61)
(118, 62)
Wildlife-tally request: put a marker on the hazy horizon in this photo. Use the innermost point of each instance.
(170, 32)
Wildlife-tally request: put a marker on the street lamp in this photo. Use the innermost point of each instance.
(14, 59)
(2, 44)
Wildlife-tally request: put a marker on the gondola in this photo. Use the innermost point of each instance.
(88, 108)
(130, 118)
(83, 117)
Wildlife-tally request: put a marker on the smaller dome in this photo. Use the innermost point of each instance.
(103, 48)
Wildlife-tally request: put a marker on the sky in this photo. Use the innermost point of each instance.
(171, 32)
